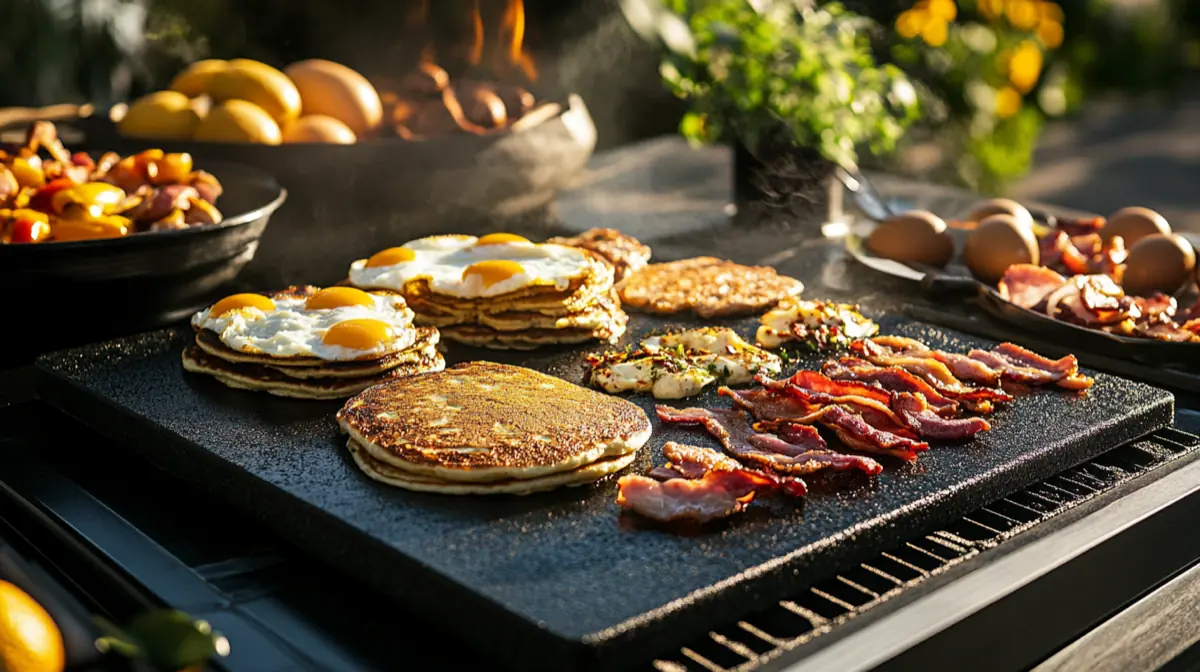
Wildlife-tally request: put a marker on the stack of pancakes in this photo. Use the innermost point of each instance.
(411, 350)
(487, 428)
(572, 302)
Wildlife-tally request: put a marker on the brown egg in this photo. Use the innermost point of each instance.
(1001, 206)
(1158, 263)
(916, 236)
(997, 243)
(1133, 224)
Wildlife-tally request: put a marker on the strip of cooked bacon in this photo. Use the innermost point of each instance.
(1079, 226)
(733, 430)
(818, 382)
(891, 378)
(878, 415)
(717, 494)
(934, 373)
(855, 432)
(961, 367)
(1065, 370)
(693, 462)
(1027, 284)
(839, 392)
(770, 406)
(917, 413)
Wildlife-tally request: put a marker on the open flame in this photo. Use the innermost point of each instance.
(512, 36)
(496, 34)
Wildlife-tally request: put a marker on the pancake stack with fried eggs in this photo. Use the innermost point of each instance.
(488, 428)
(500, 290)
(310, 343)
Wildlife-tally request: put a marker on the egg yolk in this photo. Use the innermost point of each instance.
(359, 334)
(493, 270)
(500, 239)
(338, 297)
(391, 257)
(240, 301)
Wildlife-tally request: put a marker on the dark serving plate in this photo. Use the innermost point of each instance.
(349, 201)
(956, 279)
(67, 293)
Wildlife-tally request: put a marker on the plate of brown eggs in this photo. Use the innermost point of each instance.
(1125, 284)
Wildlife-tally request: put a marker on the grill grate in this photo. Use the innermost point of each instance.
(744, 645)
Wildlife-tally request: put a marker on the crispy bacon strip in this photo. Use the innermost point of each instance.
(855, 432)
(817, 382)
(878, 413)
(693, 462)
(917, 413)
(733, 430)
(718, 494)
(1026, 285)
(879, 416)
(1064, 371)
(768, 406)
(684, 461)
(961, 367)
(891, 378)
(935, 373)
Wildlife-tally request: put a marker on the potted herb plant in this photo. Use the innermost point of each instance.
(793, 85)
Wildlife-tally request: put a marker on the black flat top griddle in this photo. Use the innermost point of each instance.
(562, 579)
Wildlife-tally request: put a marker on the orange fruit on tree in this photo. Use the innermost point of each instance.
(29, 639)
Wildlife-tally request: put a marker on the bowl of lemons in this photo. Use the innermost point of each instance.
(364, 166)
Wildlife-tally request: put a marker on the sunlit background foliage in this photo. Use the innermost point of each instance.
(990, 73)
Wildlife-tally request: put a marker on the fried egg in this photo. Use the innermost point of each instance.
(333, 324)
(681, 364)
(822, 324)
(470, 267)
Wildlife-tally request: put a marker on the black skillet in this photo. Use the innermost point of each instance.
(956, 280)
(70, 293)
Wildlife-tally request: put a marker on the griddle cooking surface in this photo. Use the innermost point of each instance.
(537, 578)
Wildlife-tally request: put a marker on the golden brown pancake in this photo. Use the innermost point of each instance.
(626, 254)
(268, 379)
(707, 285)
(485, 422)
(423, 339)
(602, 312)
(529, 339)
(392, 475)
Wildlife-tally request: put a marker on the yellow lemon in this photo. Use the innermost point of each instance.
(910, 23)
(935, 32)
(165, 115)
(194, 79)
(29, 639)
(1022, 14)
(1025, 66)
(238, 121)
(1008, 102)
(945, 9)
(1050, 33)
(260, 84)
(319, 128)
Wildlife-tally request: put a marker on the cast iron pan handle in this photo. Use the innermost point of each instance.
(11, 117)
(940, 283)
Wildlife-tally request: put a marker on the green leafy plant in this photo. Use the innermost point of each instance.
(983, 76)
(796, 71)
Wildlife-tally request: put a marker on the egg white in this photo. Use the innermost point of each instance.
(442, 259)
(290, 330)
(697, 359)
